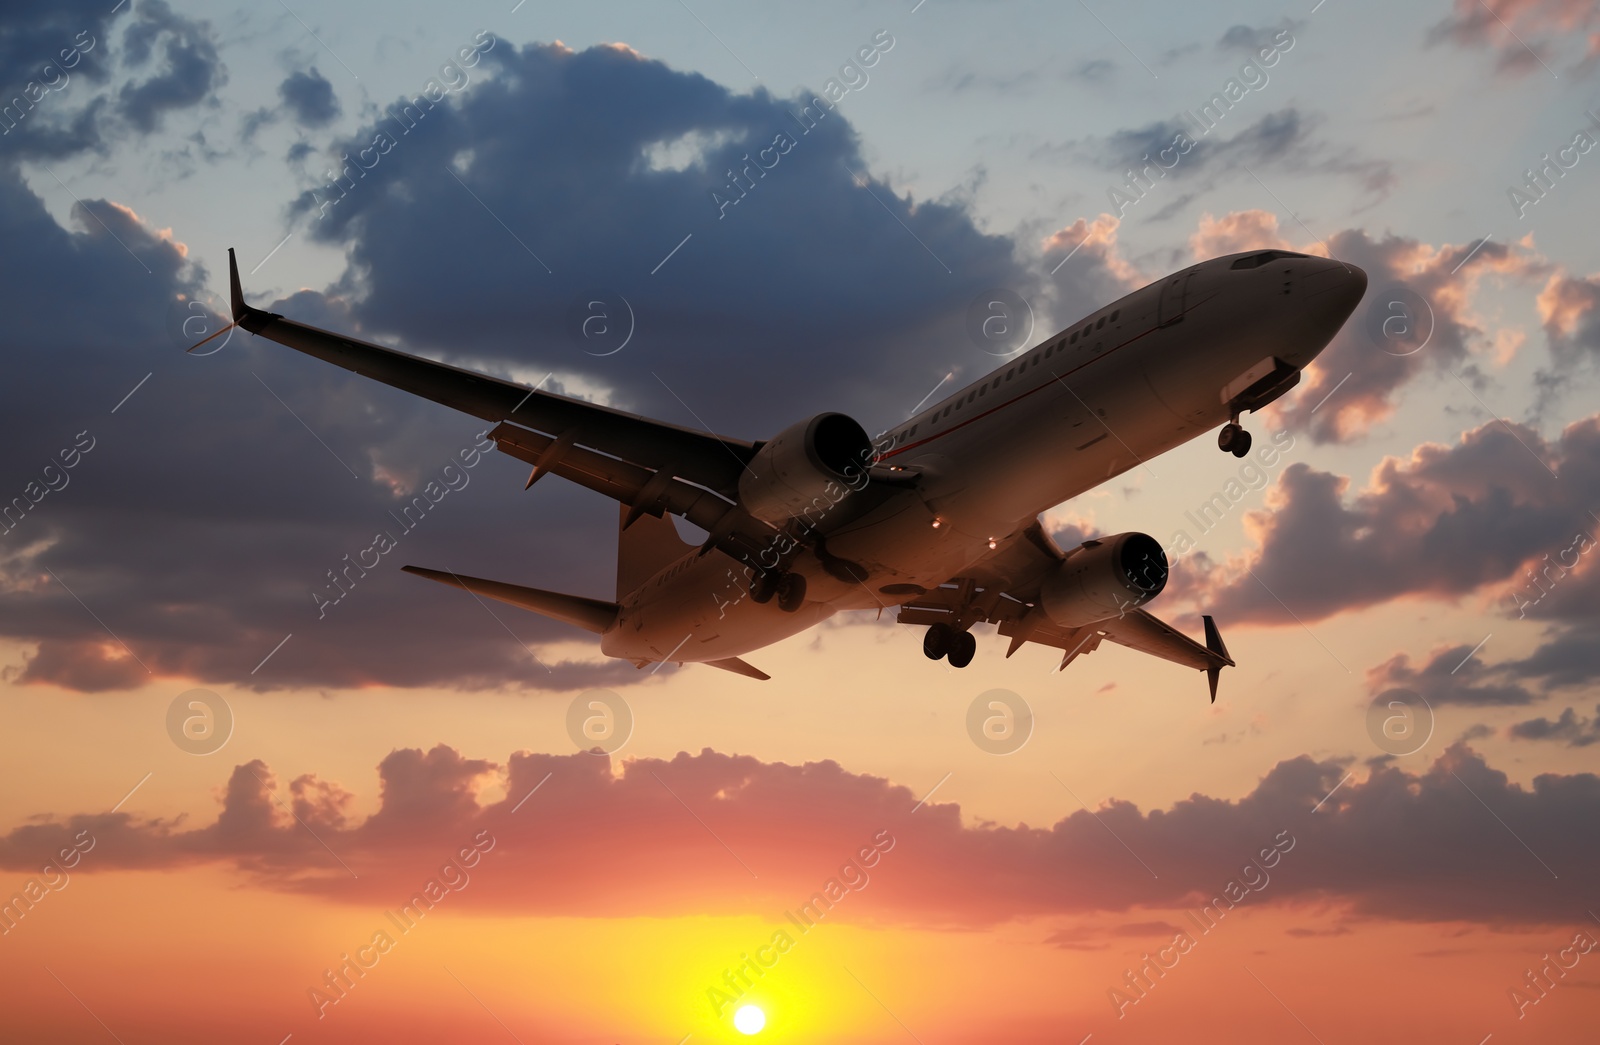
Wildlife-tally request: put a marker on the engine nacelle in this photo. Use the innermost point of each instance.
(806, 468)
(1104, 578)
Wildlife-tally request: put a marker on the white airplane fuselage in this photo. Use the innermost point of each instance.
(1120, 387)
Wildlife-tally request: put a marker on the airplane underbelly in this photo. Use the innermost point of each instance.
(707, 629)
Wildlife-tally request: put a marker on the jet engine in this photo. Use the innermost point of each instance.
(1104, 578)
(807, 467)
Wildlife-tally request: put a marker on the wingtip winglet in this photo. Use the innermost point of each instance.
(1214, 639)
(235, 291)
(1215, 644)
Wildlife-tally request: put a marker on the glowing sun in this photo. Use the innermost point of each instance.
(749, 1020)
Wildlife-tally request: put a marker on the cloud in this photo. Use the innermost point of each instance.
(1568, 728)
(1452, 675)
(1252, 40)
(1569, 308)
(220, 497)
(1369, 369)
(310, 98)
(798, 265)
(1236, 232)
(1201, 152)
(1443, 523)
(190, 73)
(1525, 35)
(1389, 846)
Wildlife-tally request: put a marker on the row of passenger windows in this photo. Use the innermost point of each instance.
(983, 389)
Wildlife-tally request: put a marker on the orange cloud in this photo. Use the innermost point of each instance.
(728, 834)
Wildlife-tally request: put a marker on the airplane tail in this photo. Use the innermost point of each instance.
(644, 546)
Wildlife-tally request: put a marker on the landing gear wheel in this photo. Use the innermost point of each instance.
(764, 587)
(1233, 440)
(962, 649)
(938, 641)
(791, 592)
(1241, 445)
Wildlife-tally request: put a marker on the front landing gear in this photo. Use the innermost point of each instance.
(1233, 439)
(944, 642)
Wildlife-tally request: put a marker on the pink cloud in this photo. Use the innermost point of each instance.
(714, 833)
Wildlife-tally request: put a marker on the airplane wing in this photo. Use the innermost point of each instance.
(707, 460)
(1003, 589)
(651, 466)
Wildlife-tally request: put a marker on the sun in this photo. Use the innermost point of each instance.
(749, 1020)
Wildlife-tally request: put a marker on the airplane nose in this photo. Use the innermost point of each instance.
(1334, 289)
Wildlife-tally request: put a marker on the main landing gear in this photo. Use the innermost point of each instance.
(943, 641)
(790, 588)
(1233, 439)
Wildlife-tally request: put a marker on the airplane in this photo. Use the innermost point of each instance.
(939, 518)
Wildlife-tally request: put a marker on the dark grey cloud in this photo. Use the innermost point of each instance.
(1452, 675)
(1252, 40)
(1200, 148)
(53, 58)
(189, 67)
(221, 495)
(1268, 139)
(842, 293)
(204, 514)
(69, 86)
(1568, 729)
(310, 98)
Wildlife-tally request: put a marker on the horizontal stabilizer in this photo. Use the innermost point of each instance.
(589, 614)
(739, 667)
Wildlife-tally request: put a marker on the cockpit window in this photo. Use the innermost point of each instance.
(1251, 261)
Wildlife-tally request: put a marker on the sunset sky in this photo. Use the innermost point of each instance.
(1146, 868)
